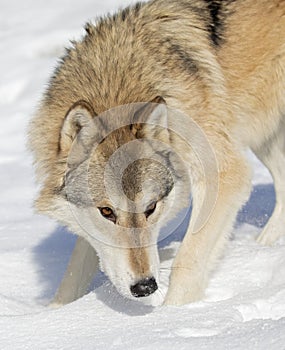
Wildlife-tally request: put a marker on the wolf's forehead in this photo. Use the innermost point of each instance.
(121, 148)
(137, 180)
(146, 179)
(113, 141)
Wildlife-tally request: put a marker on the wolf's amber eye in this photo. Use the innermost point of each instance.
(150, 209)
(108, 213)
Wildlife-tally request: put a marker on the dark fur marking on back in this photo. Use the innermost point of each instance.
(218, 13)
(186, 61)
(215, 24)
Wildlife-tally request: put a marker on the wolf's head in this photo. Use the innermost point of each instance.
(122, 183)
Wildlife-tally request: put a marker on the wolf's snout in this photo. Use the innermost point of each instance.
(144, 287)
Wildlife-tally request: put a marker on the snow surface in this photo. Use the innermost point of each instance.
(244, 307)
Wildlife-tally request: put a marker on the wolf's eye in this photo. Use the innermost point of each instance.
(150, 209)
(108, 213)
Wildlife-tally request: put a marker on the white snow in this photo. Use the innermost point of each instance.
(244, 307)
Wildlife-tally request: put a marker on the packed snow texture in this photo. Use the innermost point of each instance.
(244, 307)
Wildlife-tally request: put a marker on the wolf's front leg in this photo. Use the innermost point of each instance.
(202, 246)
(81, 269)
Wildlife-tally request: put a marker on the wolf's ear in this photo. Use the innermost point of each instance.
(151, 119)
(77, 120)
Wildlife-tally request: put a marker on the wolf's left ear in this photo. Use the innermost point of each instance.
(77, 120)
(151, 120)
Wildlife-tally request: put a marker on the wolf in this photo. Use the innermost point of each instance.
(154, 104)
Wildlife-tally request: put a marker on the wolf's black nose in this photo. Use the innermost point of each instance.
(144, 287)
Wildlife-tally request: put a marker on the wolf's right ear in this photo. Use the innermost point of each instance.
(151, 117)
(77, 120)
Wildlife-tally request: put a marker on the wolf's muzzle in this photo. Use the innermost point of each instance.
(144, 287)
